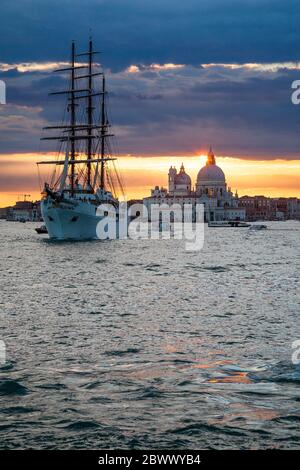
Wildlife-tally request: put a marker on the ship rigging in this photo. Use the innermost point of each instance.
(86, 176)
(85, 138)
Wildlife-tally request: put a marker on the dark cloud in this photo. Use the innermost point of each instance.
(133, 31)
(243, 112)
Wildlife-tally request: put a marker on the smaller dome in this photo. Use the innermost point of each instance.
(182, 177)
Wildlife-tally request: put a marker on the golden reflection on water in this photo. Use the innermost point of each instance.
(211, 364)
(234, 377)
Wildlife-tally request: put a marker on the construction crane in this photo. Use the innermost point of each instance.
(24, 196)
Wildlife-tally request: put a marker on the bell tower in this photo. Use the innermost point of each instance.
(172, 174)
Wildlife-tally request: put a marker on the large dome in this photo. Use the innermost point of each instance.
(211, 173)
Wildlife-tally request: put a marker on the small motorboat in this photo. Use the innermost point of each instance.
(258, 227)
(42, 229)
(229, 224)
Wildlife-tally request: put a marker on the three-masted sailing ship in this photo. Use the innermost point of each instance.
(86, 176)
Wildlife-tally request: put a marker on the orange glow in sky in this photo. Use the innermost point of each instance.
(273, 178)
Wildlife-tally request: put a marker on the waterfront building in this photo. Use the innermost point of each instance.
(24, 211)
(3, 212)
(266, 208)
(210, 190)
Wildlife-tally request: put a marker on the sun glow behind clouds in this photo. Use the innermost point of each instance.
(274, 178)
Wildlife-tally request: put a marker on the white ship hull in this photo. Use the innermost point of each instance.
(70, 221)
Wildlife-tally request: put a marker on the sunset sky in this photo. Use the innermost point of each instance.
(181, 76)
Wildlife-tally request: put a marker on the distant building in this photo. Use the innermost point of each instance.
(26, 211)
(3, 212)
(266, 208)
(293, 208)
(258, 207)
(210, 190)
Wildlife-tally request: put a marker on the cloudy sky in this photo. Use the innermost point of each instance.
(182, 75)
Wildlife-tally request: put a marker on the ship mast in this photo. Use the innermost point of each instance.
(73, 132)
(103, 135)
(90, 115)
(73, 117)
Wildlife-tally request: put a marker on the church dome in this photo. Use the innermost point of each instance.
(211, 172)
(182, 177)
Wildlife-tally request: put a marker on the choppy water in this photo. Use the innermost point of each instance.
(144, 345)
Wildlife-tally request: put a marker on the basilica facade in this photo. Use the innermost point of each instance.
(210, 190)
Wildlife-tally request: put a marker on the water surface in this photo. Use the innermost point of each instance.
(144, 345)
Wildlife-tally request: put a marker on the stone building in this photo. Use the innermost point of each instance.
(210, 189)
